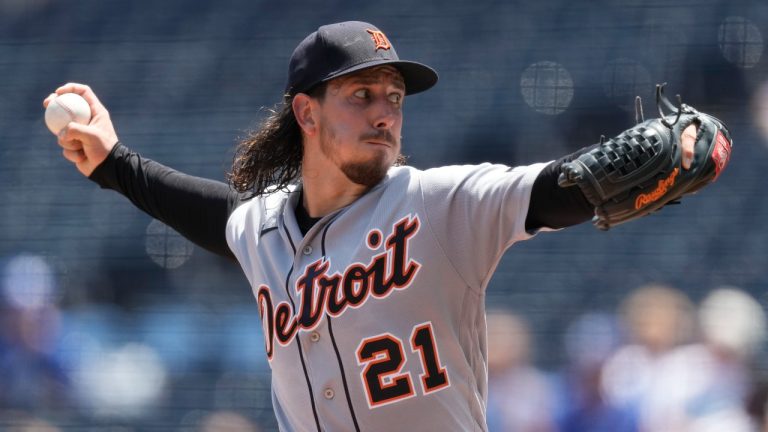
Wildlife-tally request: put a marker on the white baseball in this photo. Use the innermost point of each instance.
(69, 107)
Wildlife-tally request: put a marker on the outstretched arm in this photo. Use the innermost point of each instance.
(195, 207)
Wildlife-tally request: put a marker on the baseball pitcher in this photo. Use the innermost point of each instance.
(370, 276)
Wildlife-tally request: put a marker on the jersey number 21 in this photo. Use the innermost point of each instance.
(383, 358)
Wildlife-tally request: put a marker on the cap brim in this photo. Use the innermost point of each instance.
(418, 77)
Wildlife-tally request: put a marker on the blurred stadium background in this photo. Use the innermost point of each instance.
(112, 322)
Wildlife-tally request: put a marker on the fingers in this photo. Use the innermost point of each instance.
(86, 145)
(74, 132)
(71, 140)
(688, 140)
(74, 156)
(72, 145)
(72, 137)
(48, 100)
(84, 91)
(68, 143)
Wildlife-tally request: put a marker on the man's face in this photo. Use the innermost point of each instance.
(360, 123)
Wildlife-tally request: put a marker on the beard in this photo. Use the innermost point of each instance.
(366, 173)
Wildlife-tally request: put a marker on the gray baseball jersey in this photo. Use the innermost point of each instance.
(375, 319)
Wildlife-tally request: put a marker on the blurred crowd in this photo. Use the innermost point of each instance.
(659, 362)
(102, 367)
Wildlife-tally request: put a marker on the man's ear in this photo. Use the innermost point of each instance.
(304, 111)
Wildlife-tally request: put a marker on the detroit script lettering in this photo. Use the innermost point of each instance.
(321, 292)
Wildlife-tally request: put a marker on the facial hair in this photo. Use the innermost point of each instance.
(366, 173)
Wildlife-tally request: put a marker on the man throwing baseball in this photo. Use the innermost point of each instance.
(369, 276)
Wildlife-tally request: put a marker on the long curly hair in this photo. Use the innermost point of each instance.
(268, 159)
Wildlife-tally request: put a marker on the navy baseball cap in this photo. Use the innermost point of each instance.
(342, 48)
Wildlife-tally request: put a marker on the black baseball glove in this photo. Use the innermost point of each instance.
(640, 170)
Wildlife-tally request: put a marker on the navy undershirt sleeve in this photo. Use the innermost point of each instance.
(195, 207)
(554, 207)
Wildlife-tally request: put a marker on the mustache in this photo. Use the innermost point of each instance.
(379, 135)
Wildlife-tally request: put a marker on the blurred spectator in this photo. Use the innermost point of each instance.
(122, 383)
(760, 110)
(657, 319)
(704, 387)
(32, 377)
(520, 397)
(589, 342)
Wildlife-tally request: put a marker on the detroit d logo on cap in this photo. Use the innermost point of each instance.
(379, 39)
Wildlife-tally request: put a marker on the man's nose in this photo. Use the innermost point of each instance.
(385, 115)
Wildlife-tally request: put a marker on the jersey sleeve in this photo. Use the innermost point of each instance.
(195, 207)
(477, 212)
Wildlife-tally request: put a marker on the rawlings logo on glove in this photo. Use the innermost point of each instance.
(643, 200)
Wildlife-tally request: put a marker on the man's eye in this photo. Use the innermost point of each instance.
(362, 93)
(395, 98)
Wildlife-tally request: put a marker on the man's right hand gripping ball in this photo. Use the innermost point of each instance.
(86, 146)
